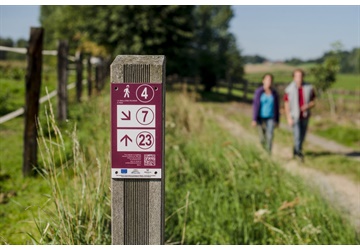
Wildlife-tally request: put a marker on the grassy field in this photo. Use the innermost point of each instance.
(218, 190)
(317, 158)
(341, 126)
(12, 84)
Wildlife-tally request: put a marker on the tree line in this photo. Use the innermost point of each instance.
(195, 39)
(349, 61)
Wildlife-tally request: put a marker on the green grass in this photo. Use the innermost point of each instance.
(218, 190)
(349, 136)
(347, 81)
(32, 196)
(317, 158)
(223, 186)
(12, 95)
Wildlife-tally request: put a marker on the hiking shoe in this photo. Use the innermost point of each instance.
(301, 156)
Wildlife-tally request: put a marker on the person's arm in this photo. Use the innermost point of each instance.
(311, 104)
(287, 110)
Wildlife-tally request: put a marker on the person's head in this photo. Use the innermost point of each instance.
(267, 80)
(298, 76)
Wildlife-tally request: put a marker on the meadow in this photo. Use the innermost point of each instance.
(341, 124)
(219, 190)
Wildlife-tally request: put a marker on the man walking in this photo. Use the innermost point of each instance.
(299, 98)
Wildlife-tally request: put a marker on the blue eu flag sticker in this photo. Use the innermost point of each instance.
(124, 171)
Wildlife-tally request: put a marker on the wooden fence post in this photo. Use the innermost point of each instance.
(245, 89)
(103, 72)
(97, 77)
(62, 80)
(228, 78)
(138, 172)
(79, 71)
(89, 75)
(32, 95)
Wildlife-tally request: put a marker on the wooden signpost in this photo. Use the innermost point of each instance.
(137, 149)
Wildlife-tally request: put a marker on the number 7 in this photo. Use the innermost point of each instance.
(145, 112)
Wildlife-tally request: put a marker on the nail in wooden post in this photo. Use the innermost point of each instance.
(137, 151)
(79, 71)
(62, 80)
(32, 95)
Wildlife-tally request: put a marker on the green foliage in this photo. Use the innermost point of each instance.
(217, 54)
(195, 39)
(218, 191)
(325, 73)
(254, 59)
(294, 61)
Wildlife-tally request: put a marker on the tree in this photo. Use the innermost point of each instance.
(195, 40)
(214, 44)
(325, 74)
(123, 30)
(254, 59)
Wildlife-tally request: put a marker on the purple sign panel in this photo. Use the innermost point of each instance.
(136, 130)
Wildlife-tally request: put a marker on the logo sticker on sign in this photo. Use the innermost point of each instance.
(136, 130)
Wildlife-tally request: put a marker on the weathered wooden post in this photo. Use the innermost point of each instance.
(89, 75)
(245, 89)
(230, 86)
(62, 80)
(32, 95)
(137, 150)
(97, 77)
(79, 71)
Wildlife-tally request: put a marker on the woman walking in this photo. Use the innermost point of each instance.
(266, 111)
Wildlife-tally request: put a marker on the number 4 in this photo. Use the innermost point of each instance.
(144, 93)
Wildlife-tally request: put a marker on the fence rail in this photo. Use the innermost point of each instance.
(33, 81)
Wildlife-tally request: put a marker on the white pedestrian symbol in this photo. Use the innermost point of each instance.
(127, 92)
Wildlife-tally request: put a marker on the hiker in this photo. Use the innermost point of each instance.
(299, 98)
(266, 111)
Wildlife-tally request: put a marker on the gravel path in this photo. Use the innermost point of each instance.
(343, 193)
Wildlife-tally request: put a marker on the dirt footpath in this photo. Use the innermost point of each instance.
(343, 193)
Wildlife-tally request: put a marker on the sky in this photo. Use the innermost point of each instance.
(275, 32)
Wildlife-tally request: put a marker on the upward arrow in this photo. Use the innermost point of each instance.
(127, 117)
(126, 138)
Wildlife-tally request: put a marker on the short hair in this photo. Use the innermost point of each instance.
(268, 74)
(299, 70)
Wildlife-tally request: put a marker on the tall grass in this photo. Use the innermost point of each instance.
(79, 181)
(219, 189)
(222, 190)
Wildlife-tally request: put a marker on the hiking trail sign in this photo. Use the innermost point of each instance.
(136, 130)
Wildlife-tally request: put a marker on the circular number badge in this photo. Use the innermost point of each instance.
(145, 116)
(145, 140)
(145, 93)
